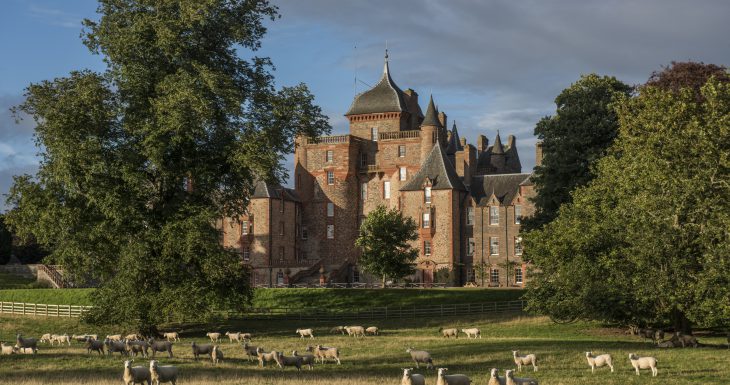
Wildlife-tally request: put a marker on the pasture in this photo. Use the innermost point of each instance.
(376, 360)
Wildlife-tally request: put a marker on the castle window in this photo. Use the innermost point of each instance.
(330, 231)
(279, 279)
(246, 254)
(355, 275)
(426, 220)
(493, 245)
(281, 254)
(364, 191)
(470, 216)
(386, 189)
(402, 151)
(403, 173)
(330, 209)
(305, 232)
(494, 276)
(374, 134)
(244, 228)
(518, 275)
(330, 177)
(518, 214)
(427, 194)
(470, 247)
(494, 215)
(426, 247)
(329, 157)
(518, 245)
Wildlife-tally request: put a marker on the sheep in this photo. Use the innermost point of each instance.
(115, 346)
(305, 332)
(648, 333)
(666, 344)
(238, 337)
(289, 361)
(160, 346)
(82, 338)
(135, 375)
(246, 336)
(338, 329)
(137, 347)
(7, 349)
(448, 333)
(60, 339)
(410, 378)
(307, 359)
(266, 357)
(451, 379)
(495, 379)
(355, 331)
(250, 350)
(643, 363)
(421, 356)
(115, 337)
(24, 343)
(167, 373)
(599, 361)
(658, 335)
(524, 360)
(322, 352)
(510, 379)
(45, 338)
(93, 345)
(171, 336)
(201, 349)
(683, 340)
(214, 337)
(472, 332)
(133, 337)
(217, 355)
(372, 330)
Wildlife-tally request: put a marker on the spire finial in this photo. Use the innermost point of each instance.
(386, 70)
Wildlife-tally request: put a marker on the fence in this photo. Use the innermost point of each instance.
(42, 309)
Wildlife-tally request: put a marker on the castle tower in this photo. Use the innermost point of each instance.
(498, 159)
(430, 128)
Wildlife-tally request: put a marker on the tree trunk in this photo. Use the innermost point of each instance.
(680, 322)
(384, 277)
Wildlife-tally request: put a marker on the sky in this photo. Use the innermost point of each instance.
(490, 65)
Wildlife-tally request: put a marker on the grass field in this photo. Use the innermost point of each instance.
(377, 360)
(11, 281)
(320, 298)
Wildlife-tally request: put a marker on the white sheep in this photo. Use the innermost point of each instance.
(133, 337)
(171, 336)
(46, 338)
(524, 360)
(451, 379)
(322, 352)
(238, 337)
(448, 333)
(7, 349)
(307, 359)
(410, 378)
(115, 337)
(24, 350)
(472, 332)
(421, 356)
(495, 379)
(305, 332)
(599, 361)
(217, 355)
(266, 357)
(60, 339)
(372, 330)
(162, 374)
(214, 336)
(510, 379)
(643, 363)
(136, 374)
(355, 331)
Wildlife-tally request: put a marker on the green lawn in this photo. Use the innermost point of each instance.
(377, 360)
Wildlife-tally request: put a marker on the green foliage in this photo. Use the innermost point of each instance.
(385, 237)
(6, 241)
(139, 162)
(647, 240)
(583, 127)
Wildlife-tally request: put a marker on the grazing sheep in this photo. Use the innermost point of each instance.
(524, 360)
(238, 337)
(338, 329)
(495, 379)
(451, 379)
(305, 332)
(372, 330)
(135, 375)
(26, 343)
(24, 350)
(60, 339)
(93, 345)
(133, 337)
(510, 379)
(217, 355)
(410, 378)
(599, 361)
(201, 349)
(684, 340)
(666, 344)
(246, 336)
(322, 352)
(7, 349)
(448, 333)
(421, 356)
(46, 338)
(115, 337)
(648, 333)
(266, 357)
(82, 338)
(115, 347)
(289, 361)
(355, 331)
(643, 363)
(160, 346)
(171, 336)
(472, 332)
(137, 347)
(214, 337)
(162, 374)
(307, 359)
(250, 350)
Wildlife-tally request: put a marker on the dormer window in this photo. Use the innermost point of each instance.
(427, 194)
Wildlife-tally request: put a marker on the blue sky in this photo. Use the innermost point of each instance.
(491, 65)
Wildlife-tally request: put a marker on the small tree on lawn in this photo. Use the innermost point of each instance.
(384, 239)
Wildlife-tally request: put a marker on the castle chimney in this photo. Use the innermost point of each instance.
(511, 142)
(538, 154)
(482, 143)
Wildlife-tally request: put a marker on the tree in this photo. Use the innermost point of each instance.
(385, 237)
(139, 162)
(646, 241)
(6, 242)
(583, 127)
(690, 74)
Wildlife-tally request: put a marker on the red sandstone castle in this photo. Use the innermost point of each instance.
(468, 200)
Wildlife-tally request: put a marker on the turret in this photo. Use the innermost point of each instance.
(497, 158)
(429, 130)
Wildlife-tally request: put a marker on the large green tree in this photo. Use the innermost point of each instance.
(583, 127)
(385, 237)
(6, 241)
(140, 161)
(647, 240)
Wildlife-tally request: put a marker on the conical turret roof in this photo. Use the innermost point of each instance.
(384, 97)
(454, 141)
(431, 118)
(497, 148)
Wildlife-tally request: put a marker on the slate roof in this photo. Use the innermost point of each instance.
(384, 97)
(267, 190)
(454, 142)
(512, 162)
(439, 170)
(504, 186)
(431, 118)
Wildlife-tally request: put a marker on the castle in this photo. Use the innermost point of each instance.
(467, 200)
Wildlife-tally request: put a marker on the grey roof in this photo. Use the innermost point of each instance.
(384, 97)
(439, 170)
(431, 118)
(497, 147)
(454, 142)
(268, 190)
(512, 163)
(504, 186)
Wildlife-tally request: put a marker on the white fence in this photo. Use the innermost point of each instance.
(41, 309)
